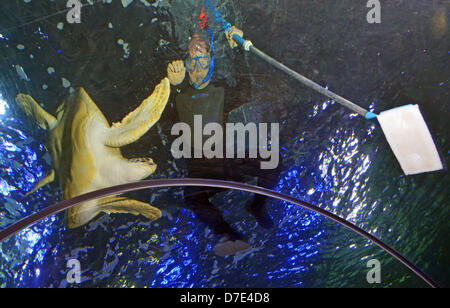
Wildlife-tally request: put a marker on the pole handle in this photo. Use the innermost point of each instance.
(239, 39)
(246, 44)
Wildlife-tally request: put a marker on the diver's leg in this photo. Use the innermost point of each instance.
(245, 169)
(231, 242)
(212, 217)
(197, 199)
(257, 207)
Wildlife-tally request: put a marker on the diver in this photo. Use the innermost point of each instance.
(200, 97)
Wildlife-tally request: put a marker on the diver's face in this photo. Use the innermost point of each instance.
(198, 68)
(198, 75)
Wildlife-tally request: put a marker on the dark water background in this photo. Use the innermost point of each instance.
(331, 157)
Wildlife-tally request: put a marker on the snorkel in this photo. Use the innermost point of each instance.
(211, 7)
(203, 21)
(211, 64)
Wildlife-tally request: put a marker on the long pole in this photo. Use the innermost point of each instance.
(307, 82)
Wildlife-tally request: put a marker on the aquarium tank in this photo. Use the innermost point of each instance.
(224, 144)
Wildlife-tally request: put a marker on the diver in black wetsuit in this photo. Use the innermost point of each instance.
(201, 97)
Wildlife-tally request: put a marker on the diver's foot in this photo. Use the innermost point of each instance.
(229, 247)
(261, 215)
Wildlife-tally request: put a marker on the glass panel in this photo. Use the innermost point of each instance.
(329, 156)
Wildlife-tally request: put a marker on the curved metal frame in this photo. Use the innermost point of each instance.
(158, 183)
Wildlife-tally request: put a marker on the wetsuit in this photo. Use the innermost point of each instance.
(209, 103)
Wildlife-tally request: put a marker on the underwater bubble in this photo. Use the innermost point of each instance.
(144, 2)
(50, 70)
(21, 73)
(126, 3)
(60, 26)
(65, 82)
(20, 47)
(125, 48)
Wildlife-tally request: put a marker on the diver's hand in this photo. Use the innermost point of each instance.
(176, 72)
(229, 34)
